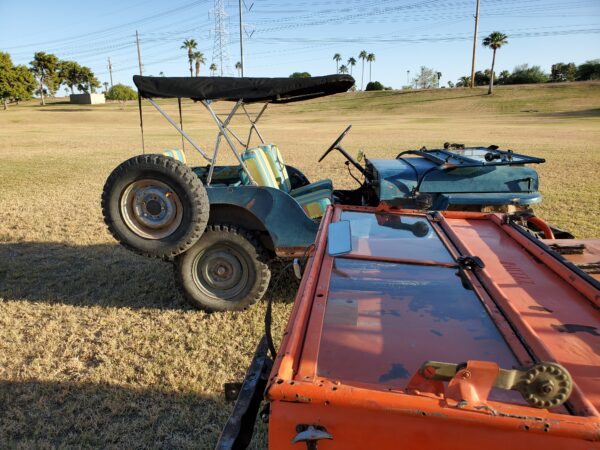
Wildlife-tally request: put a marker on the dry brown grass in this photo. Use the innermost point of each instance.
(97, 349)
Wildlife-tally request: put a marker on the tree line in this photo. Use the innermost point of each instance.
(44, 76)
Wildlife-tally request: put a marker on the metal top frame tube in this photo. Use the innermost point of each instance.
(223, 131)
(183, 133)
(224, 124)
(253, 123)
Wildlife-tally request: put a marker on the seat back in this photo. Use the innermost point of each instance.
(177, 154)
(257, 164)
(277, 166)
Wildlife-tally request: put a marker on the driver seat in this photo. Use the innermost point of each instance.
(313, 203)
(275, 160)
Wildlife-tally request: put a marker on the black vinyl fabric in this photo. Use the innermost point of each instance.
(277, 90)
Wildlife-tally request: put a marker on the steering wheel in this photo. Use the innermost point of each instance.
(336, 143)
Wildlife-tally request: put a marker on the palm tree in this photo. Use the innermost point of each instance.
(494, 41)
(343, 69)
(238, 66)
(370, 59)
(362, 55)
(199, 58)
(351, 63)
(213, 69)
(337, 58)
(190, 45)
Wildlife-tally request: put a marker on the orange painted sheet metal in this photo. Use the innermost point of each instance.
(543, 305)
(364, 323)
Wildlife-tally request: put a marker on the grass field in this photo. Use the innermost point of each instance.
(97, 349)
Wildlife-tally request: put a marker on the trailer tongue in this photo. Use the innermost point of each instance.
(436, 330)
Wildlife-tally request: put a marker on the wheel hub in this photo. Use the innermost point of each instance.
(151, 209)
(221, 272)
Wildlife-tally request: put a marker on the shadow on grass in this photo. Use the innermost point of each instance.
(40, 414)
(95, 275)
(74, 109)
(586, 113)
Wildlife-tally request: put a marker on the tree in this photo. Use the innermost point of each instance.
(589, 70)
(300, 75)
(504, 77)
(362, 55)
(199, 59)
(351, 63)
(69, 73)
(45, 68)
(463, 82)
(16, 82)
(450, 84)
(121, 92)
(426, 78)
(105, 84)
(375, 86)
(494, 41)
(238, 66)
(213, 69)
(524, 74)
(87, 81)
(343, 69)
(563, 72)
(482, 78)
(190, 45)
(337, 58)
(370, 59)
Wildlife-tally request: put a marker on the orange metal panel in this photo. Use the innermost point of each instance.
(331, 370)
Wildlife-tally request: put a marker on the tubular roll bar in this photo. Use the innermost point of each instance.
(224, 132)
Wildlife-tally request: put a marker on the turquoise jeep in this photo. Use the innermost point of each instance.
(222, 225)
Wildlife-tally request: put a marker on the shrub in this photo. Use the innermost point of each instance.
(375, 86)
(300, 75)
(589, 70)
(121, 93)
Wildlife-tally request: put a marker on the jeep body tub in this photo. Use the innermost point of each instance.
(447, 330)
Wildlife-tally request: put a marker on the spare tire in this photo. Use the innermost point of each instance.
(155, 206)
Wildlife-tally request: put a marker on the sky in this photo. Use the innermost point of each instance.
(284, 36)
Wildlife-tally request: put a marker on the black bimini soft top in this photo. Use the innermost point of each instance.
(249, 90)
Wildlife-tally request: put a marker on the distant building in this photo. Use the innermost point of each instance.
(87, 99)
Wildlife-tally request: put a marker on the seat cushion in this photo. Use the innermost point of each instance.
(315, 203)
(316, 186)
(281, 174)
(258, 166)
(177, 154)
(277, 166)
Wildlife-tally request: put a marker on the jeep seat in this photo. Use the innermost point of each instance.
(177, 154)
(313, 203)
(275, 160)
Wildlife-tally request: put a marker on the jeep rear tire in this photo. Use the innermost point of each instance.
(155, 206)
(226, 270)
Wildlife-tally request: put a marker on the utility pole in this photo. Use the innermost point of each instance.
(110, 71)
(474, 45)
(241, 39)
(137, 42)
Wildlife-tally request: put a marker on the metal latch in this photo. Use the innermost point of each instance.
(543, 385)
(311, 435)
(470, 262)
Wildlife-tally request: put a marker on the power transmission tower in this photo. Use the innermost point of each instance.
(110, 71)
(221, 38)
